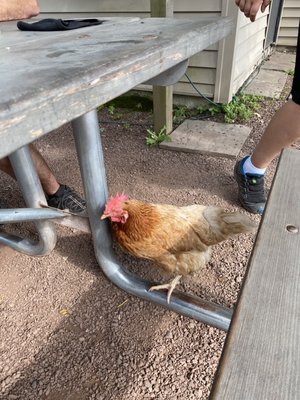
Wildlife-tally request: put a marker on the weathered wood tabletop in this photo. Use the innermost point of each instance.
(50, 78)
(261, 357)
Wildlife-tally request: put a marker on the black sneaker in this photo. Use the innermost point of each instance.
(67, 198)
(251, 189)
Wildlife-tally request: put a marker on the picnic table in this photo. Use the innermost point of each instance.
(51, 78)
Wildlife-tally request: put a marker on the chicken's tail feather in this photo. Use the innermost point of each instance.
(224, 224)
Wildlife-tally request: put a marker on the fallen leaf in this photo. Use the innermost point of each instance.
(64, 312)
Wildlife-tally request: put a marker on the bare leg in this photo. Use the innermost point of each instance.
(48, 180)
(170, 286)
(282, 131)
(5, 166)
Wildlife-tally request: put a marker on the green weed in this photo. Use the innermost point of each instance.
(154, 139)
(213, 110)
(126, 125)
(113, 112)
(111, 109)
(180, 114)
(241, 107)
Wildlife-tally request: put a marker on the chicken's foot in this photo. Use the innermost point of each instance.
(170, 286)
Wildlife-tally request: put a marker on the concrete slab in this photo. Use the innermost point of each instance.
(207, 137)
(267, 83)
(279, 61)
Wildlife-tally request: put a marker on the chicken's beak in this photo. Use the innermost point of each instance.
(104, 216)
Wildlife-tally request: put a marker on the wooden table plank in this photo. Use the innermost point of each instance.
(55, 77)
(50, 78)
(261, 357)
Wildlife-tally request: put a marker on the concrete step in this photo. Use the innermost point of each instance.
(226, 140)
(207, 137)
(271, 78)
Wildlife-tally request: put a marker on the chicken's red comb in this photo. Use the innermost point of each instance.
(119, 198)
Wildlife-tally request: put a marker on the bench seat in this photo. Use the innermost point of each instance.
(261, 355)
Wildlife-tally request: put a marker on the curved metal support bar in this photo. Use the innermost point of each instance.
(15, 215)
(34, 196)
(169, 77)
(181, 303)
(87, 139)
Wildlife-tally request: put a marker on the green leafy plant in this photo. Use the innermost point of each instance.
(154, 139)
(251, 100)
(241, 108)
(232, 112)
(113, 112)
(111, 109)
(202, 109)
(180, 114)
(126, 125)
(213, 110)
(291, 72)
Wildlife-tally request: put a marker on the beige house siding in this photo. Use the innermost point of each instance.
(249, 48)
(289, 23)
(202, 67)
(122, 7)
(218, 72)
(240, 53)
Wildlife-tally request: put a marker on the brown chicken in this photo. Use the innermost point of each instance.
(179, 239)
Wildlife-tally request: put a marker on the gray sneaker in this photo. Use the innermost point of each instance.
(67, 198)
(251, 189)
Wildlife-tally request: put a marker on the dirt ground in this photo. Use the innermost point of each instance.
(67, 333)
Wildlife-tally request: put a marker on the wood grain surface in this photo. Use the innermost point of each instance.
(261, 357)
(50, 78)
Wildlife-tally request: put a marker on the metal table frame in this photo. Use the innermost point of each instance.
(87, 139)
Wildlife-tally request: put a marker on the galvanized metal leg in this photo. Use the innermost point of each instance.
(88, 144)
(34, 196)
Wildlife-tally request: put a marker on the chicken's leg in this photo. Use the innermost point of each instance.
(170, 286)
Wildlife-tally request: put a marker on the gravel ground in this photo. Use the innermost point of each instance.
(69, 334)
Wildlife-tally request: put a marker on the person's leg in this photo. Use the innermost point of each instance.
(48, 180)
(5, 166)
(58, 195)
(282, 131)
(284, 128)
